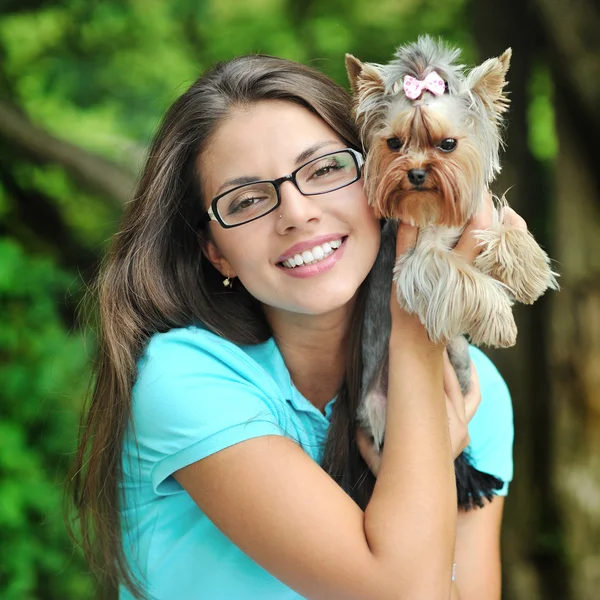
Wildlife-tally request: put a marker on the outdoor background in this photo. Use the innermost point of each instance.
(83, 85)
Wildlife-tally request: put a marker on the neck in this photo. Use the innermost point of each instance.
(313, 348)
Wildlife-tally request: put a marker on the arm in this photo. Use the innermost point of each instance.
(478, 573)
(289, 516)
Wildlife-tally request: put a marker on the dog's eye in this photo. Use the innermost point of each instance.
(448, 145)
(394, 143)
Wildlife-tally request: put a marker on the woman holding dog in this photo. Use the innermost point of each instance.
(220, 457)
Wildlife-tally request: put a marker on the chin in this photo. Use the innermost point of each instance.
(420, 208)
(318, 301)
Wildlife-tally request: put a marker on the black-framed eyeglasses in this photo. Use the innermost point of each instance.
(251, 201)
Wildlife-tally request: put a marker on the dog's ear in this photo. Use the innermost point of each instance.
(353, 68)
(487, 81)
(364, 77)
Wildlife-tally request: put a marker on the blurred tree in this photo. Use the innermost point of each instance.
(552, 533)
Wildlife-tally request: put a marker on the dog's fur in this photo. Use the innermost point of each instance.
(450, 296)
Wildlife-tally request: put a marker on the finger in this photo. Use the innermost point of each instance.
(473, 396)
(406, 238)
(452, 387)
(513, 218)
(469, 246)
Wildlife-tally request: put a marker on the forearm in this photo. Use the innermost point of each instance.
(410, 521)
(454, 595)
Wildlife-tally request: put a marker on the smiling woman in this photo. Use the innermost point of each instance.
(219, 456)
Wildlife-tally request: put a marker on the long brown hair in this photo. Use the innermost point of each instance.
(155, 278)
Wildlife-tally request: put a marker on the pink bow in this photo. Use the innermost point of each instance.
(413, 88)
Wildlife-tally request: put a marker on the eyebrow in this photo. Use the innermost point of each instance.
(301, 158)
(304, 156)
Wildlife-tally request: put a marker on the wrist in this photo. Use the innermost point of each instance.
(408, 333)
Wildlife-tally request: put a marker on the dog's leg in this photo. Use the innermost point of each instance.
(513, 257)
(372, 410)
(451, 297)
(460, 359)
(376, 332)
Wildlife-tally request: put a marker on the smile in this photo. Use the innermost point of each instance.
(312, 256)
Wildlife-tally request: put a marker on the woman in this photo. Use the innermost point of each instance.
(229, 369)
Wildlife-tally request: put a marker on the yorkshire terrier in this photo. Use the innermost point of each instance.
(432, 134)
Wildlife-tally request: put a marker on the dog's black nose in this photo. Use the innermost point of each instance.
(417, 176)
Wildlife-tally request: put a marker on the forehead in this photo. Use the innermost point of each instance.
(263, 139)
(427, 121)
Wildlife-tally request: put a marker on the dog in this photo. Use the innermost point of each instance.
(432, 133)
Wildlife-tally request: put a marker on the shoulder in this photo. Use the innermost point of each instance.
(492, 429)
(199, 353)
(178, 347)
(195, 394)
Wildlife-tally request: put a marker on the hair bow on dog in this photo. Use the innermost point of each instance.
(413, 87)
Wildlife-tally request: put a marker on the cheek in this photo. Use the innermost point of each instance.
(243, 250)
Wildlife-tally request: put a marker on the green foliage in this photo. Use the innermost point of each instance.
(543, 141)
(43, 375)
(101, 73)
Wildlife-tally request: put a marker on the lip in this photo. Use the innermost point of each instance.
(318, 268)
(309, 245)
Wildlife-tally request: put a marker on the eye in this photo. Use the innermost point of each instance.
(448, 145)
(326, 169)
(394, 143)
(244, 204)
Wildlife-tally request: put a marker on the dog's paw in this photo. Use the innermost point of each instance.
(516, 259)
(496, 329)
(371, 415)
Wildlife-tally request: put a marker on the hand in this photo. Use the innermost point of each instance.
(461, 410)
(468, 245)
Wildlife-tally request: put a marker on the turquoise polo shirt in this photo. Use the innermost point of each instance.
(196, 394)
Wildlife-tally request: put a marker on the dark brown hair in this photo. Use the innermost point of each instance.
(155, 278)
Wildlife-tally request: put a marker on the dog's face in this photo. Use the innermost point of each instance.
(429, 158)
(423, 166)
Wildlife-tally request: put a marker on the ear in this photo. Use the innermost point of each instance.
(216, 259)
(353, 68)
(364, 77)
(488, 80)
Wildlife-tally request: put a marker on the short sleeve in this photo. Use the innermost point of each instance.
(195, 395)
(491, 429)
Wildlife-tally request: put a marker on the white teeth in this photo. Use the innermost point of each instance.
(309, 257)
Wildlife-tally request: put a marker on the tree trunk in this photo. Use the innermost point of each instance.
(553, 511)
(575, 356)
(533, 565)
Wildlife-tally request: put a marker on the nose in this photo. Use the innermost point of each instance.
(417, 176)
(296, 209)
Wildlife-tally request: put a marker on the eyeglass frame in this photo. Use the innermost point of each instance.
(212, 214)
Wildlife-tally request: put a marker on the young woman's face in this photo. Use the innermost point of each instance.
(266, 141)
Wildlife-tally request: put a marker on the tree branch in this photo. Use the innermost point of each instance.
(40, 215)
(91, 171)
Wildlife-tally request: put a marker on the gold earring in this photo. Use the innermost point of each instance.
(227, 282)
